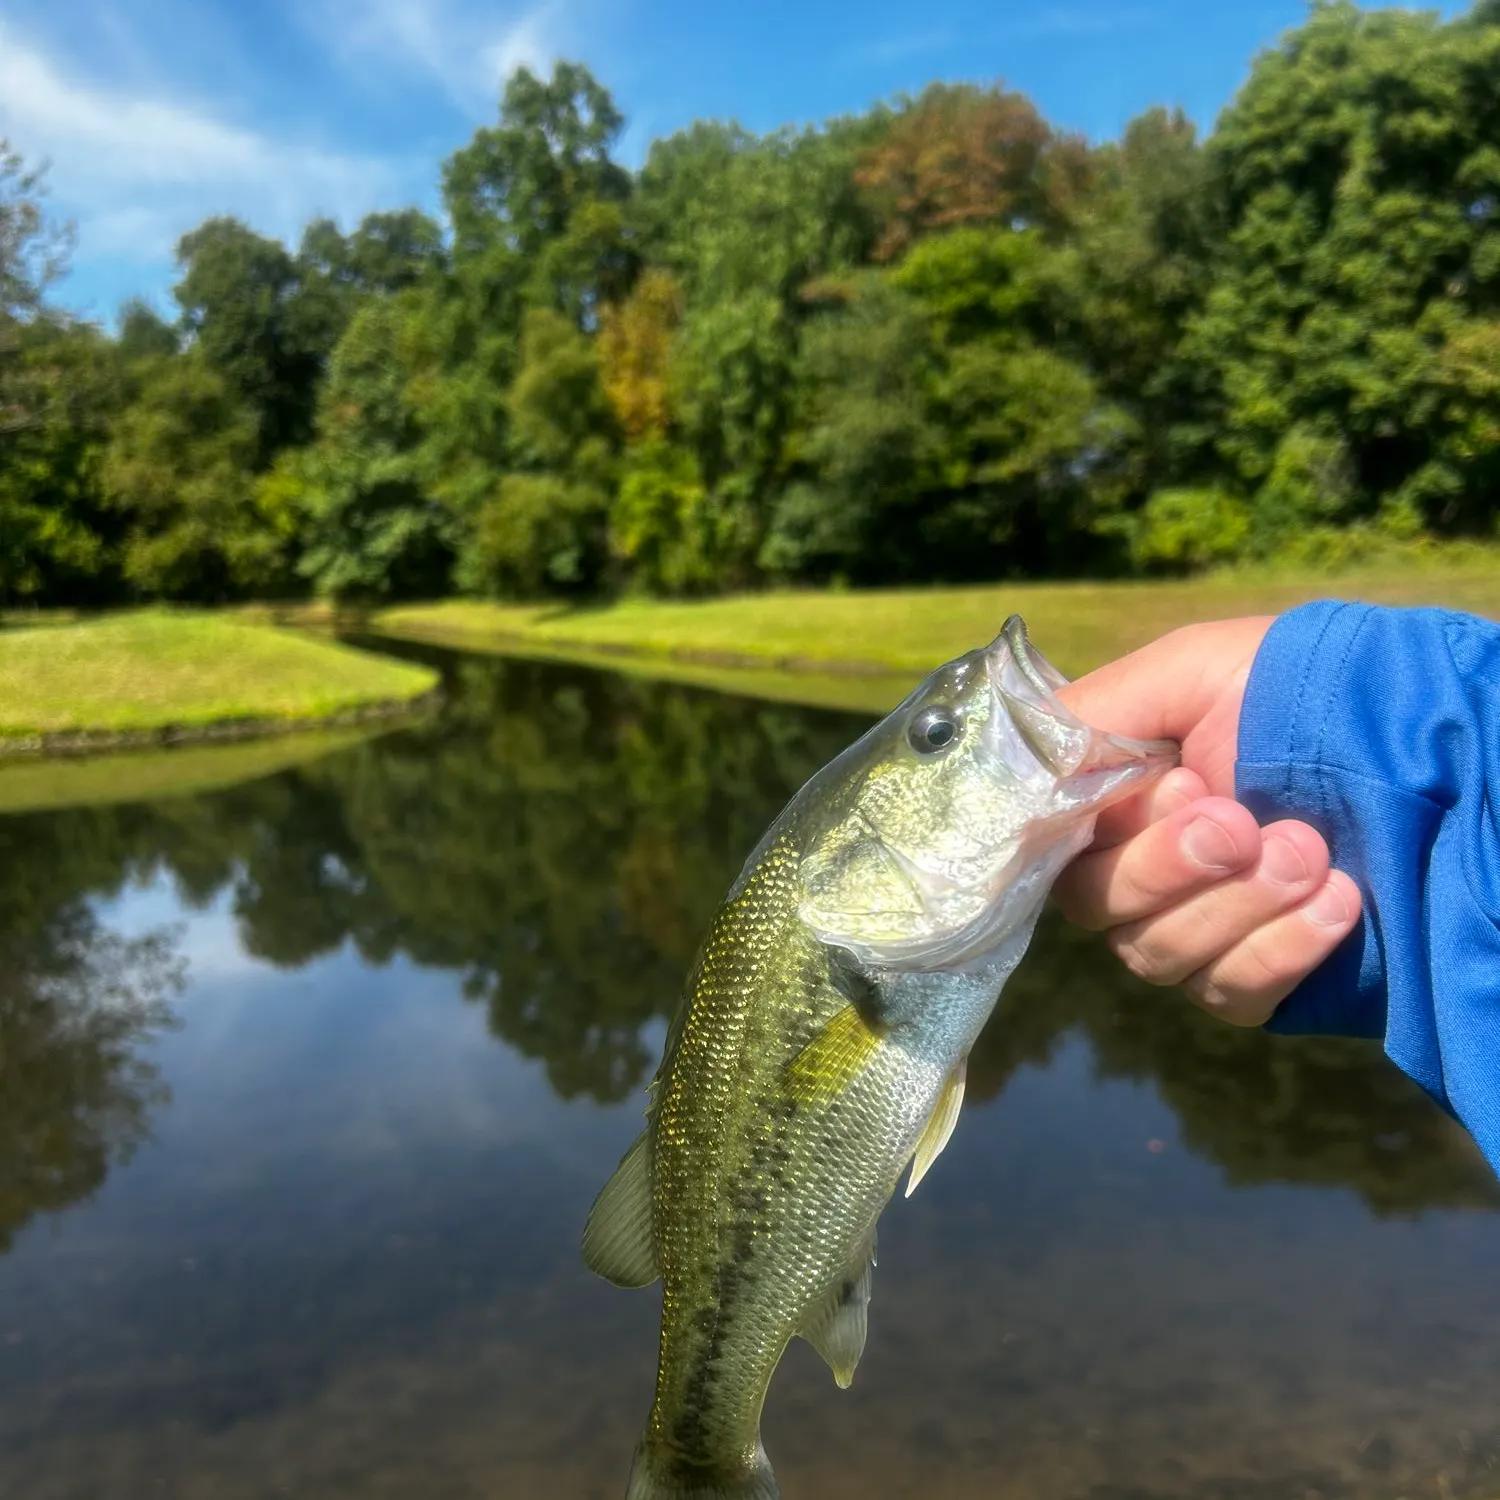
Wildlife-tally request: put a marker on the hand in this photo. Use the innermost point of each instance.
(1185, 885)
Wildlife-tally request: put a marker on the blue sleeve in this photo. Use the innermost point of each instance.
(1381, 727)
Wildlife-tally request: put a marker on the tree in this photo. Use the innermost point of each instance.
(238, 296)
(635, 354)
(518, 184)
(730, 213)
(545, 524)
(387, 253)
(867, 447)
(33, 253)
(33, 248)
(180, 470)
(1138, 266)
(960, 155)
(57, 393)
(1361, 190)
(1036, 457)
(144, 333)
(536, 200)
(370, 529)
(58, 537)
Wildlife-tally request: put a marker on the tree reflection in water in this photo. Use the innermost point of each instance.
(76, 1004)
(560, 838)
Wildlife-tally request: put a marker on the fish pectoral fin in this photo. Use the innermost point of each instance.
(939, 1125)
(837, 1325)
(831, 1061)
(618, 1242)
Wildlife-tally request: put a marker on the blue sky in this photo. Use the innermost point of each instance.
(157, 113)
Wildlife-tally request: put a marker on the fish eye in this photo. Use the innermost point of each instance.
(934, 729)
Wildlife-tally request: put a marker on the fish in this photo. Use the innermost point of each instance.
(819, 1048)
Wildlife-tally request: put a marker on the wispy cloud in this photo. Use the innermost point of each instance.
(466, 49)
(1081, 20)
(137, 171)
(1078, 21)
(895, 49)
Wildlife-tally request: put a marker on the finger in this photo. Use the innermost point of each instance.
(1126, 819)
(1245, 985)
(1162, 690)
(1169, 946)
(1194, 848)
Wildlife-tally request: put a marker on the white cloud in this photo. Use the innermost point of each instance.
(459, 45)
(136, 172)
(529, 43)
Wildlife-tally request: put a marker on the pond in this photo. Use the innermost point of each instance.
(306, 1087)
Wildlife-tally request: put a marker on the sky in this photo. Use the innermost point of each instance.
(155, 114)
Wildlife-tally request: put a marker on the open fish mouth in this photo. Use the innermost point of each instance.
(1093, 768)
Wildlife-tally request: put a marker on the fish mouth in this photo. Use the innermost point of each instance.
(1093, 768)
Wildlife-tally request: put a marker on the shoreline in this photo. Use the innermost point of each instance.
(517, 642)
(65, 743)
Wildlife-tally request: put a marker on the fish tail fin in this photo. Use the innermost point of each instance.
(656, 1475)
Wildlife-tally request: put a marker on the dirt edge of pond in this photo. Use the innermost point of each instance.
(78, 742)
(542, 645)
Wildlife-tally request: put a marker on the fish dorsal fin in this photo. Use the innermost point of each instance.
(837, 1325)
(618, 1242)
(939, 1126)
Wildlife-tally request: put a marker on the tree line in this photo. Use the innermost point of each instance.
(941, 340)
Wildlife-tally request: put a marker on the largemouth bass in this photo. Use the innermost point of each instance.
(819, 1049)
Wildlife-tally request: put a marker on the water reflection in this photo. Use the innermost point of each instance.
(375, 1188)
(76, 1003)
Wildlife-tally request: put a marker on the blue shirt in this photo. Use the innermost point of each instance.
(1381, 728)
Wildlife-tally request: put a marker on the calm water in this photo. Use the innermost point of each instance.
(306, 1088)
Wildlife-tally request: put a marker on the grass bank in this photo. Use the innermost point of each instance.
(900, 633)
(157, 676)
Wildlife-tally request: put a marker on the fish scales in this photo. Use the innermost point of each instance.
(820, 1046)
(760, 993)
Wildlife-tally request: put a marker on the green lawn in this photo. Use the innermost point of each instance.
(157, 670)
(905, 632)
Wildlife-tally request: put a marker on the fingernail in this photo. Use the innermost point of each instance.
(1208, 845)
(1329, 908)
(1282, 862)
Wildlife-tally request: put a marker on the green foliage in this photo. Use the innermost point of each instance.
(941, 340)
(869, 448)
(1035, 456)
(517, 185)
(58, 392)
(179, 469)
(369, 530)
(539, 531)
(661, 524)
(56, 532)
(1360, 185)
(1183, 530)
(545, 523)
(238, 296)
(387, 253)
(145, 334)
(33, 248)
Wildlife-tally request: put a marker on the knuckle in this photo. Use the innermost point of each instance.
(1235, 1007)
(1262, 966)
(1144, 958)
